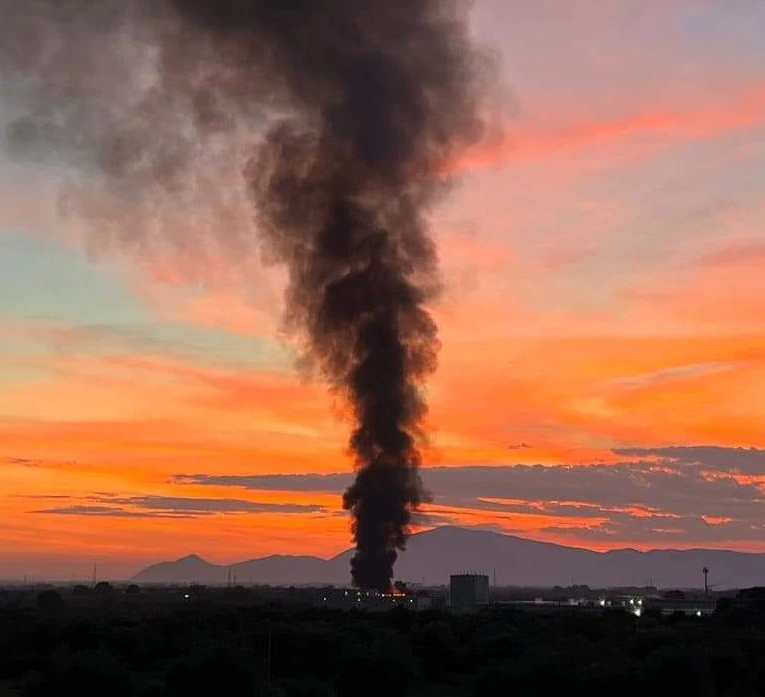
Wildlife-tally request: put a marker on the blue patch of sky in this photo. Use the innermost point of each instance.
(44, 283)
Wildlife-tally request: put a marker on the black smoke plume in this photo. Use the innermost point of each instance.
(352, 112)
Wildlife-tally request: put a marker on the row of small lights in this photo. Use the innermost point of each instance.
(637, 607)
(392, 596)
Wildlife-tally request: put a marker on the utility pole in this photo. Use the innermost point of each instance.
(268, 661)
(705, 571)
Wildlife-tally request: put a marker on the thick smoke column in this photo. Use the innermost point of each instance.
(369, 102)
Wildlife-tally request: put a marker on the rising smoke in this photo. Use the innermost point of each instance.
(344, 116)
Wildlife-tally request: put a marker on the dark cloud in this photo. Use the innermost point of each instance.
(106, 511)
(682, 493)
(681, 489)
(715, 458)
(569, 509)
(172, 507)
(430, 519)
(26, 462)
(34, 462)
(606, 523)
(44, 497)
(335, 483)
(203, 506)
(663, 530)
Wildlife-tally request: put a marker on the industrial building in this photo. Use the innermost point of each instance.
(468, 592)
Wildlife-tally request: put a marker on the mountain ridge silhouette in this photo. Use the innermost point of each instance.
(431, 556)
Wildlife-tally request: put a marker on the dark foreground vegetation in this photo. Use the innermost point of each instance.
(115, 646)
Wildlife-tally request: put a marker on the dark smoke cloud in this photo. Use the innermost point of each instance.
(143, 120)
(345, 116)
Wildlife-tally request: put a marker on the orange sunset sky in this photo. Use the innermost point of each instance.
(602, 367)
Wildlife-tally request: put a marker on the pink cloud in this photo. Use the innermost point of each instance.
(742, 110)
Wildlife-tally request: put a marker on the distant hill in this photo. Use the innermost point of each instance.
(433, 555)
(275, 570)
